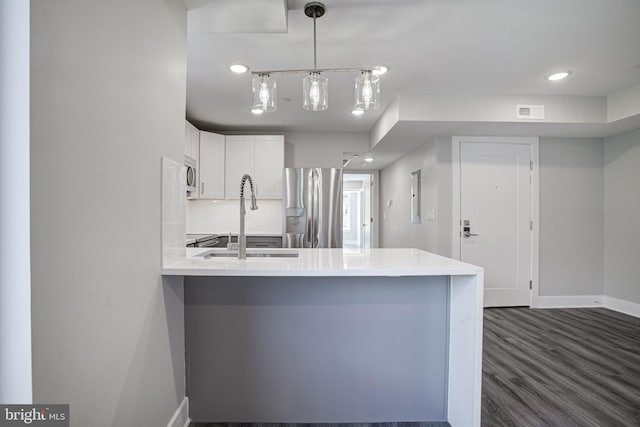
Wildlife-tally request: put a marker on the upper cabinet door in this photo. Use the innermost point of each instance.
(239, 161)
(269, 162)
(212, 167)
(191, 141)
(187, 138)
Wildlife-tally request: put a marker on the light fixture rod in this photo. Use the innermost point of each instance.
(314, 70)
(315, 67)
(314, 10)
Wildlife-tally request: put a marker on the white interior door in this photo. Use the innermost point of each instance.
(495, 214)
(367, 216)
(360, 183)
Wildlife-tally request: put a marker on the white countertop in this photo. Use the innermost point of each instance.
(322, 262)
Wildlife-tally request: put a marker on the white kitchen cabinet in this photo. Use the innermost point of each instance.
(269, 162)
(191, 142)
(239, 159)
(211, 166)
(262, 157)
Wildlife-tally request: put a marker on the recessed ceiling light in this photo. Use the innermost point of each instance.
(357, 112)
(558, 76)
(379, 70)
(257, 111)
(368, 159)
(239, 68)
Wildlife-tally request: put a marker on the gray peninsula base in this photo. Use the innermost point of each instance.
(317, 349)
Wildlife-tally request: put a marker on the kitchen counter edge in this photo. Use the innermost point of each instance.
(324, 263)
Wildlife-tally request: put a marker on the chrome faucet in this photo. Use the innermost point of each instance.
(242, 238)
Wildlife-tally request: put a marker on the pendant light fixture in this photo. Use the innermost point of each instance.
(264, 94)
(315, 86)
(367, 91)
(314, 92)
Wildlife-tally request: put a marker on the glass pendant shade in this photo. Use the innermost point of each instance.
(367, 96)
(264, 94)
(315, 92)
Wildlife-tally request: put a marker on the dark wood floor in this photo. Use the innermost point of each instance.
(552, 368)
(560, 367)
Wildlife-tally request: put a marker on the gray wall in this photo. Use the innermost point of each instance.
(444, 214)
(322, 149)
(15, 295)
(571, 210)
(108, 100)
(622, 216)
(396, 229)
(571, 217)
(433, 235)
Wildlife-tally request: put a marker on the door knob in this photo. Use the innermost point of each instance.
(466, 229)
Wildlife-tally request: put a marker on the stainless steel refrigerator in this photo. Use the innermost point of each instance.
(312, 203)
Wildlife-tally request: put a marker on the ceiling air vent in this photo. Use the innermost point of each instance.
(530, 112)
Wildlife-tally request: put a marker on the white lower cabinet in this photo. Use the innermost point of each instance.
(212, 166)
(262, 157)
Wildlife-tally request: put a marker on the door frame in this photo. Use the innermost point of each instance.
(534, 143)
(375, 202)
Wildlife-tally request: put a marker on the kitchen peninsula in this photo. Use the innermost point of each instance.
(332, 335)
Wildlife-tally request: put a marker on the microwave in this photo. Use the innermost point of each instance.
(192, 176)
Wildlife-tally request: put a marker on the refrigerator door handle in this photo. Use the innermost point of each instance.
(318, 195)
(311, 189)
(314, 206)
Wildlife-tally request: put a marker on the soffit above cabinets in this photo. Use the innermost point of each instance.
(237, 16)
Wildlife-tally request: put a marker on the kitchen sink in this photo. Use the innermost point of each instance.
(220, 254)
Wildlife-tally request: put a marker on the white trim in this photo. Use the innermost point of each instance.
(16, 359)
(622, 306)
(375, 209)
(589, 301)
(455, 199)
(534, 142)
(535, 217)
(180, 418)
(570, 301)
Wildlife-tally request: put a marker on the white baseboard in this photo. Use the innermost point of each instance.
(181, 416)
(569, 301)
(588, 301)
(626, 307)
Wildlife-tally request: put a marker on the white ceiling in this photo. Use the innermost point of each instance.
(498, 47)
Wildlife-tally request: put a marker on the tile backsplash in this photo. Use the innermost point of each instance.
(223, 216)
(173, 210)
